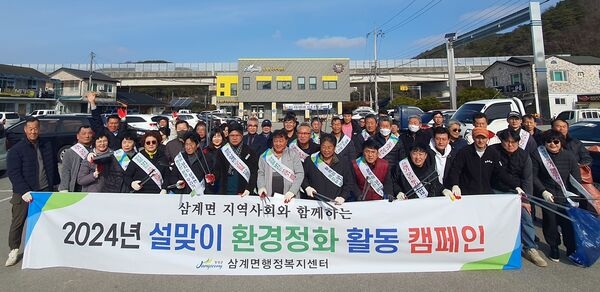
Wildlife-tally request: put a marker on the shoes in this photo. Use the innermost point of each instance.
(13, 256)
(554, 254)
(533, 255)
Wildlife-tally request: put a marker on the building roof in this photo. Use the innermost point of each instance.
(133, 98)
(581, 60)
(21, 73)
(528, 61)
(181, 102)
(84, 75)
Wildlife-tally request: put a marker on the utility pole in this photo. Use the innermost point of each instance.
(451, 37)
(376, 33)
(537, 40)
(92, 56)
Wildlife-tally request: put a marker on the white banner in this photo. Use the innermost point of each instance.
(229, 235)
(306, 106)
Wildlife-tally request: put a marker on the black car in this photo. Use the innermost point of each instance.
(588, 132)
(60, 129)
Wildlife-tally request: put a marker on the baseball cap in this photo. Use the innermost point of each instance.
(479, 131)
(266, 123)
(513, 114)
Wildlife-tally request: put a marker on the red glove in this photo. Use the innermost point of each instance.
(122, 113)
(210, 178)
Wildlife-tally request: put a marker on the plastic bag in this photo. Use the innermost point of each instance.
(587, 236)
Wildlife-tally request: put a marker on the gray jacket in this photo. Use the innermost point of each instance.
(70, 168)
(265, 173)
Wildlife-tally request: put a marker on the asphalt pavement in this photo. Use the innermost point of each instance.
(561, 276)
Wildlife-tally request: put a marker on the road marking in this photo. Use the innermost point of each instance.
(5, 199)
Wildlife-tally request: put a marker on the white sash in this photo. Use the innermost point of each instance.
(368, 174)
(553, 171)
(296, 150)
(147, 167)
(412, 179)
(122, 158)
(341, 145)
(524, 139)
(190, 178)
(316, 138)
(388, 146)
(276, 165)
(365, 135)
(235, 161)
(80, 150)
(329, 173)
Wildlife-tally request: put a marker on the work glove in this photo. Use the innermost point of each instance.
(288, 197)
(519, 191)
(548, 196)
(135, 185)
(245, 193)
(339, 200)
(262, 191)
(456, 192)
(163, 192)
(27, 197)
(90, 157)
(310, 192)
(63, 191)
(401, 196)
(448, 193)
(180, 184)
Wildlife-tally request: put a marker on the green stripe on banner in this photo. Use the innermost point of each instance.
(61, 200)
(492, 263)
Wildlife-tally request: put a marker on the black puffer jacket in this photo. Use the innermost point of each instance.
(566, 163)
(22, 166)
(134, 172)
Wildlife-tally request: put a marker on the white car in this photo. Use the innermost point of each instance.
(9, 118)
(362, 112)
(191, 119)
(141, 122)
(42, 112)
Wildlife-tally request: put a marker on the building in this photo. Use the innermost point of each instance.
(24, 90)
(573, 81)
(267, 88)
(74, 84)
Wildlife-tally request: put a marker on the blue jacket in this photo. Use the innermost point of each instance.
(23, 166)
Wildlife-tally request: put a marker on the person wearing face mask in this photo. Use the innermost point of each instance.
(373, 174)
(415, 134)
(176, 145)
(392, 149)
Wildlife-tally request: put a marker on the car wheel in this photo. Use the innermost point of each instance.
(61, 153)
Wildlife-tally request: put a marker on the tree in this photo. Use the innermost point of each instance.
(429, 103)
(476, 93)
(401, 100)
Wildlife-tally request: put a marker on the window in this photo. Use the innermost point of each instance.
(312, 83)
(284, 85)
(560, 100)
(233, 90)
(222, 85)
(31, 84)
(515, 79)
(558, 75)
(108, 88)
(580, 74)
(301, 83)
(221, 93)
(263, 85)
(246, 83)
(494, 81)
(94, 86)
(329, 84)
(497, 111)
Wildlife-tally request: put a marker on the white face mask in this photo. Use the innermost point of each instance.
(413, 128)
(385, 132)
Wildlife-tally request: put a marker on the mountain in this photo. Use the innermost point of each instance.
(570, 27)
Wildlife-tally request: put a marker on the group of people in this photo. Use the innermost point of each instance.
(301, 160)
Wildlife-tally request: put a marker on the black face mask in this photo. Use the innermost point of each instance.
(180, 134)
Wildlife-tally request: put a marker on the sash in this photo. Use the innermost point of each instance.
(553, 171)
(329, 173)
(276, 165)
(388, 146)
(296, 150)
(189, 176)
(122, 158)
(365, 135)
(316, 138)
(368, 174)
(524, 139)
(147, 167)
(80, 150)
(412, 179)
(341, 145)
(236, 162)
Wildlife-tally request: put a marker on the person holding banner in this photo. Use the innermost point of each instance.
(442, 153)
(236, 165)
(304, 146)
(190, 172)
(416, 176)
(369, 131)
(279, 170)
(373, 174)
(72, 160)
(344, 147)
(149, 167)
(316, 125)
(32, 167)
(328, 176)
(121, 159)
(391, 148)
(216, 141)
(554, 170)
(93, 172)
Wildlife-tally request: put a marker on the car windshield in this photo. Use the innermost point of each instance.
(465, 113)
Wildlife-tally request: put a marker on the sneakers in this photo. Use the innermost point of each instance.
(13, 256)
(554, 254)
(533, 255)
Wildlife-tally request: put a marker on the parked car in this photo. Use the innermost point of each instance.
(42, 112)
(362, 112)
(403, 112)
(60, 129)
(494, 109)
(9, 118)
(191, 119)
(588, 132)
(576, 115)
(142, 121)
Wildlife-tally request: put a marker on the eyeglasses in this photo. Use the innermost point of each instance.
(555, 142)
(151, 142)
(455, 130)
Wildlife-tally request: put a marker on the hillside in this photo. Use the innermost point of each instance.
(571, 27)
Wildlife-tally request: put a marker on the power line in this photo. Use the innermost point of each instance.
(397, 14)
(415, 15)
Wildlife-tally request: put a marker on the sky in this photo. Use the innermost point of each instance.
(56, 32)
